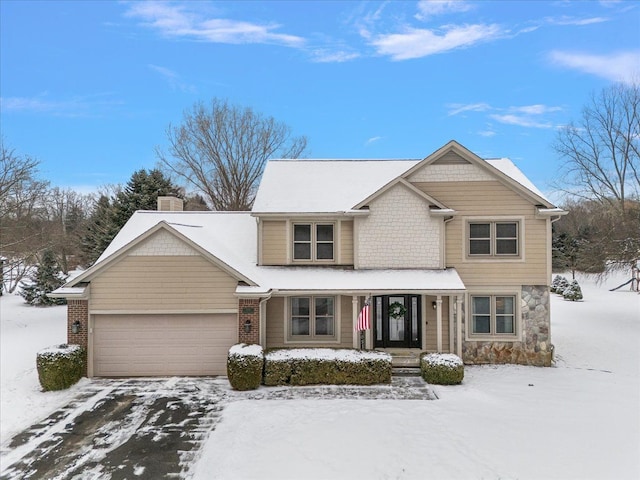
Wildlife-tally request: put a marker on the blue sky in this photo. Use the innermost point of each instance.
(89, 87)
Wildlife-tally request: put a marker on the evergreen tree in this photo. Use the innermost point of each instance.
(44, 280)
(573, 292)
(110, 214)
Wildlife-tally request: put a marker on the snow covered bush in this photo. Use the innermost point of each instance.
(558, 284)
(441, 368)
(573, 292)
(326, 366)
(61, 366)
(244, 366)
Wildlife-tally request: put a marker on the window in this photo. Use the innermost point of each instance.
(313, 241)
(313, 318)
(493, 239)
(493, 315)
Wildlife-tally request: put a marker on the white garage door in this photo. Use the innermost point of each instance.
(160, 345)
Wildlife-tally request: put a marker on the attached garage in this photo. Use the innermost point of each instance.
(160, 345)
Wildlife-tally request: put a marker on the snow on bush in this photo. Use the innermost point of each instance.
(442, 368)
(326, 366)
(60, 366)
(244, 366)
(559, 284)
(573, 292)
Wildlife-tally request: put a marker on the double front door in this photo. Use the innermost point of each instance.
(397, 321)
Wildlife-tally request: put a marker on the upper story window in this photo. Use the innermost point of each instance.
(313, 241)
(493, 238)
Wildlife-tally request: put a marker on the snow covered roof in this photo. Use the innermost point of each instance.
(230, 237)
(323, 186)
(309, 279)
(336, 186)
(509, 168)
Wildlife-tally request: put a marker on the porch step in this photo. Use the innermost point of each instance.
(405, 371)
(405, 358)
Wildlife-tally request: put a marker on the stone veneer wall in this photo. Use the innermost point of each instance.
(249, 309)
(535, 347)
(400, 218)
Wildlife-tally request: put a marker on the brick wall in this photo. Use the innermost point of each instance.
(249, 309)
(78, 310)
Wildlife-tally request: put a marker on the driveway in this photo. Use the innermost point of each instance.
(150, 428)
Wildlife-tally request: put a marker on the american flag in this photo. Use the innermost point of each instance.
(364, 317)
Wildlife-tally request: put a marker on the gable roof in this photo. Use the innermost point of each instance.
(338, 186)
(227, 239)
(503, 169)
(322, 186)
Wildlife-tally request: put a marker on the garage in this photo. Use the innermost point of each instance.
(162, 345)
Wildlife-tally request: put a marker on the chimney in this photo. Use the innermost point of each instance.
(170, 204)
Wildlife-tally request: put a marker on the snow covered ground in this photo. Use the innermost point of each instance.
(579, 419)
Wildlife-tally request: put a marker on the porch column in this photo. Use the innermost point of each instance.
(354, 315)
(459, 325)
(439, 322)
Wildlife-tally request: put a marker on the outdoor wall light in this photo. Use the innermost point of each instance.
(247, 326)
(434, 305)
(75, 327)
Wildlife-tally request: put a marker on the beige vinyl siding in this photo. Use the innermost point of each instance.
(492, 199)
(346, 242)
(276, 319)
(431, 328)
(275, 322)
(139, 283)
(274, 242)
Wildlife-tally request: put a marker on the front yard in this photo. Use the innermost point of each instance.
(578, 419)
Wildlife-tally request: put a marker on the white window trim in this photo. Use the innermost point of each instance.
(496, 337)
(314, 241)
(335, 339)
(493, 258)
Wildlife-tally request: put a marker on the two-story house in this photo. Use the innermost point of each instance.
(452, 253)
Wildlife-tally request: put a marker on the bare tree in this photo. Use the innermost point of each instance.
(221, 150)
(601, 156)
(21, 214)
(601, 152)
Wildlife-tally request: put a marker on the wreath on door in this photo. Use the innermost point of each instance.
(397, 310)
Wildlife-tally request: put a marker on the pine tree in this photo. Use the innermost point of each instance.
(573, 292)
(44, 280)
(140, 193)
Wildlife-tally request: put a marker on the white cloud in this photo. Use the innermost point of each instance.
(417, 43)
(457, 108)
(322, 55)
(520, 120)
(489, 132)
(566, 20)
(617, 67)
(174, 80)
(535, 109)
(372, 140)
(177, 21)
(78, 106)
(431, 8)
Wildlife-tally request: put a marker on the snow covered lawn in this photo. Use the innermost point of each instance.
(579, 420)
(24, 331)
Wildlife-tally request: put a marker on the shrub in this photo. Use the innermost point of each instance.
(326, 366)
(563, 283)
(61, 366)
(441, 368)
(244, 366)
(573, 292)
